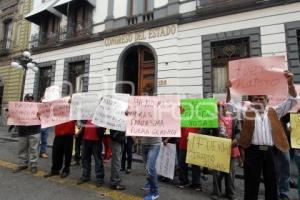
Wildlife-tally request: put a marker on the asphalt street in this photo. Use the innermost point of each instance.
(27, 186)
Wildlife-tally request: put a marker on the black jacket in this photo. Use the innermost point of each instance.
(28, 130)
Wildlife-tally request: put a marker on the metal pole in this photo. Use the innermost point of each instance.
(23, 84)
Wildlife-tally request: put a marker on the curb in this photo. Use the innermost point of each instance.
(15, 139)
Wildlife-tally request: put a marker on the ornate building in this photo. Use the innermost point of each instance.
(14, 38)
(160, 47)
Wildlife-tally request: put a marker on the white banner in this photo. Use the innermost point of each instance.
(165, 163)
(52, 93)
(110, 113)
(83, 105)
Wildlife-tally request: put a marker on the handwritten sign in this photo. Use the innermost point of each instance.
(165, 163)
(23, 114)
(295, 134)
(110, 113)
(208, 151)
(258, 76)
(52, 93)
(83, 105)
(55, 112)
(150, 116)
(199, 113)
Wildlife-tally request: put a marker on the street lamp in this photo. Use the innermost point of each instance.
(25, 62)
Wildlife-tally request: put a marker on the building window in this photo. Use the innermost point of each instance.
(141, 7)
(49, 29)
(222, 52)
(44, 80)
(76, 77)
(79, 20)
(7, 34)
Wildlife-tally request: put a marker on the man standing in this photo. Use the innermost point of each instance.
(261, 133)
(29, 138)
(150, 148)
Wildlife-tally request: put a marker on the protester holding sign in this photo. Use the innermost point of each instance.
(29, 138)
(183, 166)
(228, 128)
(262, 131)
(117, 141)
(295, 128)
(62, 149)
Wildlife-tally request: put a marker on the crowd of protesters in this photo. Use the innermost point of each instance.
(260, 145)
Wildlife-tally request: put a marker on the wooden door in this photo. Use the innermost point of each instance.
(146, 79)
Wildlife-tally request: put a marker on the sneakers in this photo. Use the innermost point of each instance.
(99, 183)
(20, 168)
(33, 170)
(43, 155)
(197, 187)
(64, 174)
(146, 186)
(152, 196)
(82, 180)
(117, 187)
(183, 185)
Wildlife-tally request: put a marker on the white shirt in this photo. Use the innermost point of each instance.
(262, 134)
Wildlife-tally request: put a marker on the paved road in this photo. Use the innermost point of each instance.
(26, 186)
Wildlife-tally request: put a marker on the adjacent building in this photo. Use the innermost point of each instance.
(14, 38)
(155, 47)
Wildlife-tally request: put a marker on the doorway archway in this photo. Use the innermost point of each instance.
(137, 72)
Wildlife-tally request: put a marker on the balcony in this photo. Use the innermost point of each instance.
(67, 34)
(5, 46)
(219, 7)
(135, 19)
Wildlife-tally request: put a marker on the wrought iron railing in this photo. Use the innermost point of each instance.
(135, 19)
(70, 32)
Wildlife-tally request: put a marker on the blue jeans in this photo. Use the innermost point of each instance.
(282, 160)
(44, 138)
(297, 160)
(150, 153)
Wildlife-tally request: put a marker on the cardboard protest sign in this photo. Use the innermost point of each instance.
(55, 112)
(258, 76)
(295, 133)
(153, 116)
(165, 163)
(208, 151)
(83, 105)
(23, 113)
(199, 113)
(110, 113)
(52, 93)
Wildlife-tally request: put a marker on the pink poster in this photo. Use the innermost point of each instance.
(277, 99)
(23, 113)
(258, 76)
(55, 112)
(153, 116)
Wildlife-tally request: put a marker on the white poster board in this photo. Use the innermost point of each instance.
(52, 93)
(83, 105)
(110, 112)
(165, 163)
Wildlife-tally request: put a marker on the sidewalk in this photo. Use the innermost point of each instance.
(4, 134)
(136, 158)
